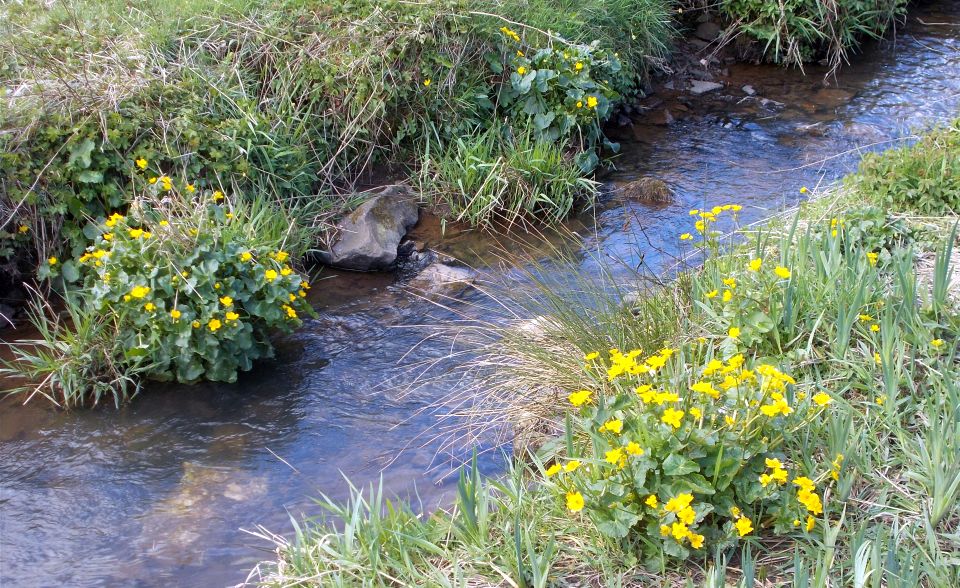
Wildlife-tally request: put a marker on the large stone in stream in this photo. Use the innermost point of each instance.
(645, 189)
(708, 31)
(368, 237)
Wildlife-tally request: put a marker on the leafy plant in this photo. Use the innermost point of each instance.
(922, 177)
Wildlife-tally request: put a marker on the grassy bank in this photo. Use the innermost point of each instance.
(495, 110)
(786, 413)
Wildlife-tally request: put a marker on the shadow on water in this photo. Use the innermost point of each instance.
(154, 493)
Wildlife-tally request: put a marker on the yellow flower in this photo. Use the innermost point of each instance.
(580, 397)
(614, 456)
(191, 189)
(521, 70)
(578, 66)
(679, 531)
(696, 541)
(591, 356)
(23, 229)
(712, 293)
(651, 501)
(755, 264)
(217, 196)
(664, 530)
(876, 358)
(734, 333)
(871, 257)
(150, 307)
(139, 291)
(875, 328)
(803, 189)
(195, 324)
(141, 163)
(232, 316)
(579, 103)
(152, 180)
(696, 412)
(175, 314)
(574, 501)
(634, 448)
(246, 256)
(804, 483)
(554, 470)
(810, 522)
(226, 301)
(214, 324)
(880, 400)
(52, 261)
(744, 526)
(135, 233)
(126, 298)
(678, 502)
(727, 295)
(613, 425)
(687, 516)
(782, 272)
(270, 275)
(729, 420)
(164, 223)
(286, 271)
(591, 101)
(519, 53)
(730, 283)
(686, 237)
(936, 343)
(427, 82)
(865, 317)
(280, 256)
(822, 399)
(291, 313)
(705, 388)
(571, 466)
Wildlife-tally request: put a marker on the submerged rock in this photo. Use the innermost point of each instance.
(367, 239)
(440, 277)
(646, 189)
(698, 87)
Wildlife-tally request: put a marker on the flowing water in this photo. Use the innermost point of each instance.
(156, 493)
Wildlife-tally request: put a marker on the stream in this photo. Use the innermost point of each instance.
(157, 492)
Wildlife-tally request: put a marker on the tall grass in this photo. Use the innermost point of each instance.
(76, 359)
(493, 176)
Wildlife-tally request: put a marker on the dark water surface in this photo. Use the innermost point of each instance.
(154, 494)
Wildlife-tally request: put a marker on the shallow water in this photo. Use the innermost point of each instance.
(155, 493)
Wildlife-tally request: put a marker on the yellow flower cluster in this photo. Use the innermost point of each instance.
(776, 474)
(510, 34)
(685, 516)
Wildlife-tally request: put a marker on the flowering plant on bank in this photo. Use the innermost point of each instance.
(196, 295)
(681, 449)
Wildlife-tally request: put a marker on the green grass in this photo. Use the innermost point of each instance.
(487, 178)
(891, 516)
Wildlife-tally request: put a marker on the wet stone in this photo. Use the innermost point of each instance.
(698, 87)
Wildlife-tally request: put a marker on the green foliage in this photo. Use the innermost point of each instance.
(923, 177)
(492, 176)
(797, 31)
(282, 96)
(190, 287)
(560, 91)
